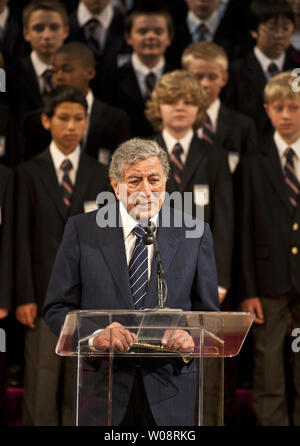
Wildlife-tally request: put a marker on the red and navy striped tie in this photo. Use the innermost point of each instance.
(92, 28)
(66, 185)
(207, 130)
(138, 269)
(290, 177)
(177, 162)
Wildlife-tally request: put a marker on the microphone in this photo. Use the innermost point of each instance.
(149, 238)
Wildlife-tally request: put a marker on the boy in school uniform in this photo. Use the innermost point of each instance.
(177, 108)
(233, 131)
(270, 239)
(45, 27)
(271, 24)
(149, 32)
(74, 64)
(59, 182)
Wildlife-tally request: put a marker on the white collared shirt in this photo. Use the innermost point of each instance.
(104, 18)
(142, 71)
(58, 157)
(213, 113)
(282, 146)
(39, 68)
(295, 40)
(264, 61)
(211, 23)
(185, 142)
(128, 223)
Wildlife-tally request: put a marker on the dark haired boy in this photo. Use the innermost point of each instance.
(271, 24)
(74, 64)
(59, 182)
(100, 26)
(45, 27)
(149, 32)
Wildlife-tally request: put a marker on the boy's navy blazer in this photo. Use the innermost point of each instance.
(91, 272)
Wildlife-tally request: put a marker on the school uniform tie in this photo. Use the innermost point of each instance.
(273, 69)
(66, 185)
(150, 81)
(201, 32)
(47, 80)
(138, 269)
(290, 177)
(207, 130)
(92, 28)
(177, 163)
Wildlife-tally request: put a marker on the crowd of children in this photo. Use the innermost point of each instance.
(213, 85)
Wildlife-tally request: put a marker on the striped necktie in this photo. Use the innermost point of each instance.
(273, 69)
(150, 81)
(201, 32)
(66, 185)
(92, 28)
(290, 177)
(207, 130)
(138, 269)
(47, 80)
(177, 163)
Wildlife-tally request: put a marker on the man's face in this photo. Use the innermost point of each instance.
(45, 32)
(67, 125)
(203, 8)
(285, 117)
(3, 3)
(149, 35)
(95, 6)
(142, 188)
(210, 75)
(69, 70)
(274, 36)
(179, 115)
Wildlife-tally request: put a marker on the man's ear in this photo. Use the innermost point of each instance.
(46, 121)
(115, 187)
(266, 107)
(91, 73)
(253, 34)
(225, 78)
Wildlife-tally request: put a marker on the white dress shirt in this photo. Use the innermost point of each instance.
(185, 142)
(211, 24)
(264, 61)
(104, 18)
(282, 146)
(142, 71)
(39, 68)
(58, 157)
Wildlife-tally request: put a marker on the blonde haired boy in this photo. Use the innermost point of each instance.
(233, 131)
(270, 256)
(176, 109)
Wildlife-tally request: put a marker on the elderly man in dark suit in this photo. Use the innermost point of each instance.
(91, 272)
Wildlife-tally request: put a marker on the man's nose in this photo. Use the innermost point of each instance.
(146, 188)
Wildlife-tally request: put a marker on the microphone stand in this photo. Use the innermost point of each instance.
(162, 289)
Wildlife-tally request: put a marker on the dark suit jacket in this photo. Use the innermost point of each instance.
(106, 64)
(108, 127)
(244, 91)
(127, 95)
(90, 272)
(11, 134)
(207, 165)
(235, 132)
(6, 238)
(266, 226)
(11, 44)
(41, 218)
(23, 88)
(231, 34)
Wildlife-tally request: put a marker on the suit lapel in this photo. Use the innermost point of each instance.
(273, 168)
(49, 179)
(194, 158)
(223, 126)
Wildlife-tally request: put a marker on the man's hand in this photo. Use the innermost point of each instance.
(3, 313)
(178, 340)
(115, 336)
(26, 314)
(253, 305)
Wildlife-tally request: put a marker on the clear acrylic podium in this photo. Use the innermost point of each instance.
(104, 378)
